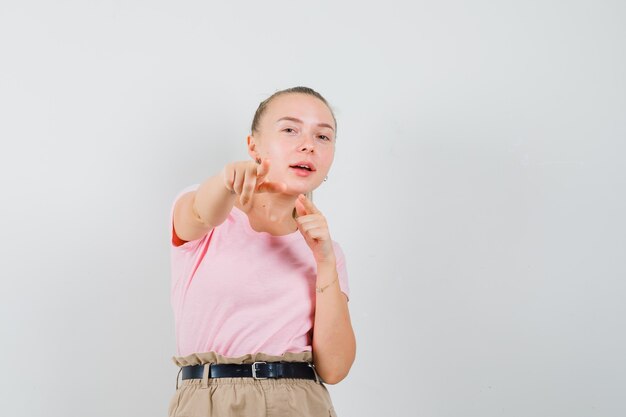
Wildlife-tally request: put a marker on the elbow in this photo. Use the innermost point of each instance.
(335, 367)
(334, 379)
(335, 375)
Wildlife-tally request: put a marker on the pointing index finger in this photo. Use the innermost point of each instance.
(308, 204)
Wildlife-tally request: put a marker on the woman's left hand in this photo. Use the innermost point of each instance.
(312, 224)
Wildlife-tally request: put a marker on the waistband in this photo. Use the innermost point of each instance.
(214, 357)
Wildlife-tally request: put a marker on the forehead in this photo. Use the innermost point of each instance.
(305, 107)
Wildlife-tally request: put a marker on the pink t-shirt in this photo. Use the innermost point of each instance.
(238, 291)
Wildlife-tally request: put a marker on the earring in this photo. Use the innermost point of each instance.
(326, 178)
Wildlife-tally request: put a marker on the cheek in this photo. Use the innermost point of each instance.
(277, 146)
(279, 155)
(270, 151)
(329, 156)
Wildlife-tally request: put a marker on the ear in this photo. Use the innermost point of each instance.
(252, 147)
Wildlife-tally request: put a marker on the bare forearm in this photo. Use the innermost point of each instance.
(334, 344)
(197, 212)
(213, 201)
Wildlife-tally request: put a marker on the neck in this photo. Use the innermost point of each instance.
(274, 208)
(272, 213)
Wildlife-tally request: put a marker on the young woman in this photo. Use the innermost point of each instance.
(259, 288)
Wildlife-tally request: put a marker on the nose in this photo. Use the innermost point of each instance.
(307, 146)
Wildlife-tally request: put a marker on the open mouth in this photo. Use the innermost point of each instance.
(303, 165)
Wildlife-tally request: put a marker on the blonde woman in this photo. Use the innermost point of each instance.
(259, 288)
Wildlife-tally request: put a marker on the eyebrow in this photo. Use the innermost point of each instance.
(293, 119)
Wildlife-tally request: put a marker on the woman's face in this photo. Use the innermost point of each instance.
(296, 129)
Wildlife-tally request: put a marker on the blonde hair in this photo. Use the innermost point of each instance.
(294, 90)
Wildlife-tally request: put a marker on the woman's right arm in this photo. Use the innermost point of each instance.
(197, 212)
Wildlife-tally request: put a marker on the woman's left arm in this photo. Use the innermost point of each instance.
(334, 344)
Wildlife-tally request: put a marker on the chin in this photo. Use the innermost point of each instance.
(298, 190)
(301, 187)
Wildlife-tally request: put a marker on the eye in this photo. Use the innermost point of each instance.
(289, 130)
(324, 137)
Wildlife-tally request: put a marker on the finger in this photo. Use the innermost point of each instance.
(271, 187)
(262, 170)
(238, 181)
(228, 176)
(249, 184)
(317, 233)
(311, 225)
(310, 218)
(308, 204)
(300, 209)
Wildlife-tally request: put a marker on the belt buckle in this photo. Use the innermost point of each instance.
(254, 371)
(317, 378)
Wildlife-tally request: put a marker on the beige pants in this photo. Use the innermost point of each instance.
(249, 397)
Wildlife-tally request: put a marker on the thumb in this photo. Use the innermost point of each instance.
(271, 187)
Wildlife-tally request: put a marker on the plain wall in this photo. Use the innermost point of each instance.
(478, 191)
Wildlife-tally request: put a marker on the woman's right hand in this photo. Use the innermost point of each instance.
(245, 178)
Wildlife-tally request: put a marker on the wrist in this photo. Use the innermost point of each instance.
(327, 276)
(329, 264)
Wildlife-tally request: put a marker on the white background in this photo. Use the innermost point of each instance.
(478, 191)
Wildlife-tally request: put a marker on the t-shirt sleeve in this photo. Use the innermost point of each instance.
(190, 245)
(342, 270)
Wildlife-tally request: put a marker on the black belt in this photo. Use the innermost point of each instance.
(256, 370)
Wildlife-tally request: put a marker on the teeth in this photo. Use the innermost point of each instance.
(304, 166)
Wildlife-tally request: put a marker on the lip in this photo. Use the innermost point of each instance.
(307, 163)
(301, 172)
